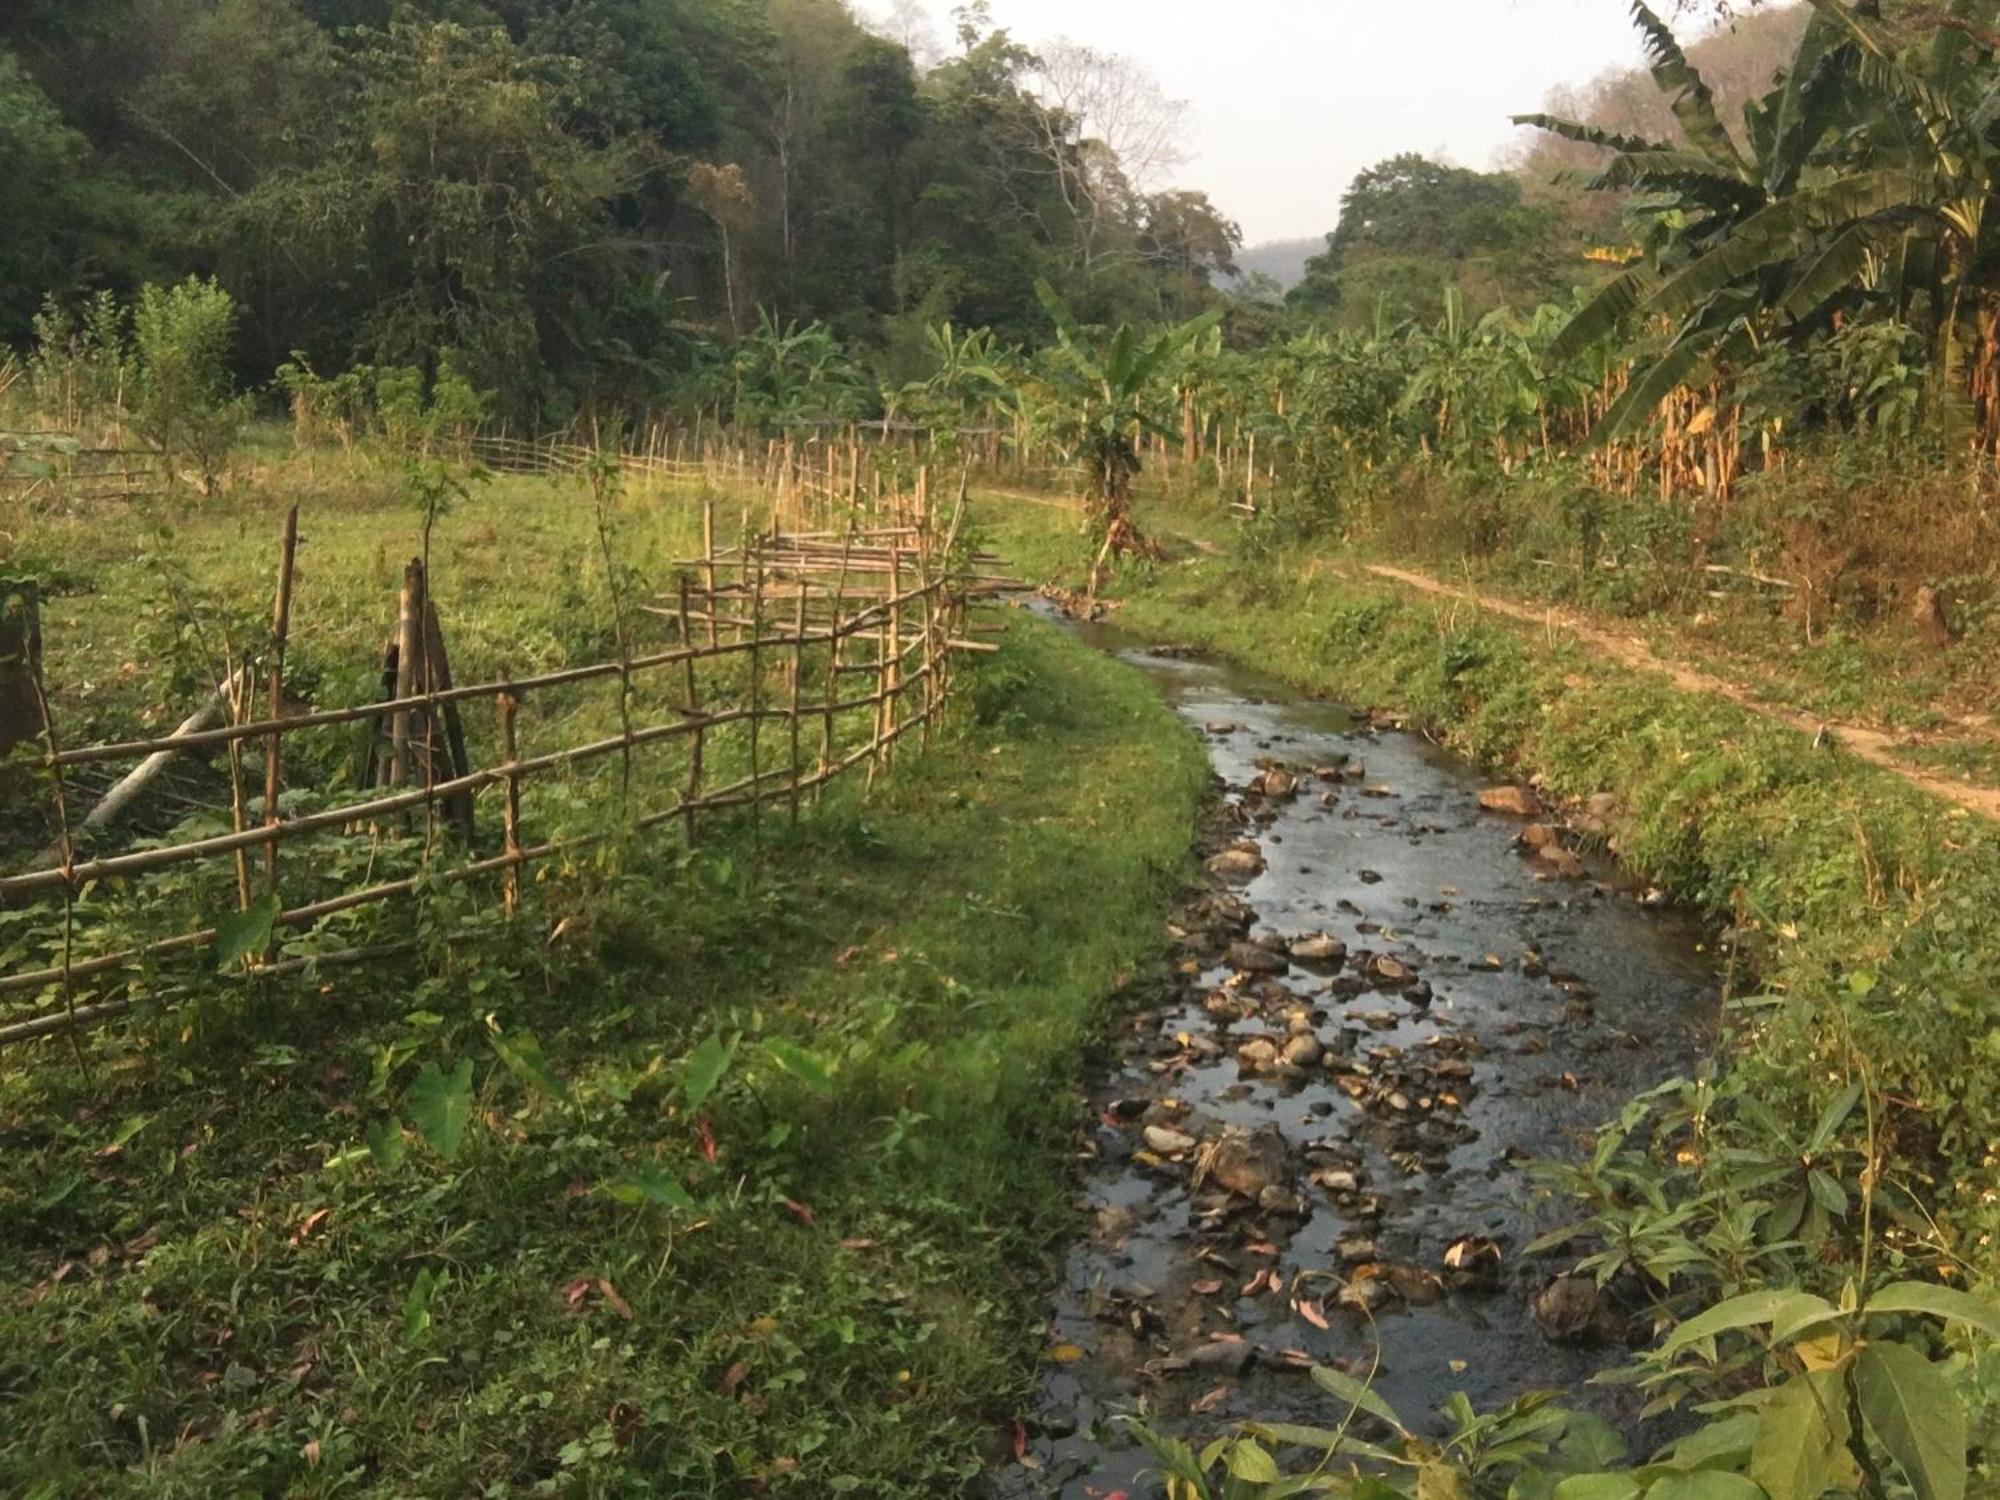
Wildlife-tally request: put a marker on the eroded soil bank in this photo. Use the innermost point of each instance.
(1389, 999)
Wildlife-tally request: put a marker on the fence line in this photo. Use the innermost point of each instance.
(805, 603)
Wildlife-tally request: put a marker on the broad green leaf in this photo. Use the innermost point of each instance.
(385, 1143)
(801, 1064)
(1439, 1480)
(1833, 1116)
(651, 1185)
(1746, 1311)
(1944, 1302)
(703, 1070)
(1916, 1416)
(522, 1053)
(1802, 1441)
(1707, 1484)
(1588, 1439)
(1801, 1312)
(417, 1305)
(1724, 1443)
(1356, 1394)
(1598, 1487)
(441, 1106)
(243, 933)
(1248, 1460)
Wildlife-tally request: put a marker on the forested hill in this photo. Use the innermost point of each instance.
(575, 198)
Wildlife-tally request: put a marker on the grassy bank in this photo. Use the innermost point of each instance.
(715, 1174)
(1867, 909)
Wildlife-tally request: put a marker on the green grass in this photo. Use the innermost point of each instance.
(1873, 909)
(831, 1278)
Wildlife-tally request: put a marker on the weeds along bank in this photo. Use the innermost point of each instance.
(1862, 911)
(712, 1170)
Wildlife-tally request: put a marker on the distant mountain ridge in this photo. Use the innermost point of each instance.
(1284, 261)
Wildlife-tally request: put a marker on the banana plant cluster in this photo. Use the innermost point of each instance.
(1857, 196)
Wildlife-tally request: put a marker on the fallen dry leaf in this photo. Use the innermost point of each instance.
(1208, 1401)
(798, 1211)
(312, 1221)
(733, 1377)
(1310, 1311)
(618, 1304)
(1207, 1288)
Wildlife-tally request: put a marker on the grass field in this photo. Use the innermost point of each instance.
(755, 1155)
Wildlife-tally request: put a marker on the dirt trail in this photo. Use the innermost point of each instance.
(1871, 745)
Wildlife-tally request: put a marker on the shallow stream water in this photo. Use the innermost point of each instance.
(1488, 1009)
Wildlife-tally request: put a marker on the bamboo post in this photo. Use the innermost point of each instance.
(509, 705)
(798, 684)
(693, 694)
(281, 625)
(708, 559)
(833, 665)
(755, 572)
(437, 678)
(409, 652)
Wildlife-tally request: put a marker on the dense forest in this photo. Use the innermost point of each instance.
(576, 200)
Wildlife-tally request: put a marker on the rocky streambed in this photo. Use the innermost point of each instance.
(1399, 984)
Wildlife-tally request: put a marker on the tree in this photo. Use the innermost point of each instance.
(43, 159)
(183, 337)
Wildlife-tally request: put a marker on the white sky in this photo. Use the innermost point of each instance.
(1288, 99)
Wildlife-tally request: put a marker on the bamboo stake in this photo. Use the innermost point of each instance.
(693, 706)
(281, 624)
(798, 683)
(509, 705)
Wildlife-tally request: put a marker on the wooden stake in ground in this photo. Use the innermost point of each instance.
(281, 625)
(509, 705)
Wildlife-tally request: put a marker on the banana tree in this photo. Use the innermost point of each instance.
(1861, 189)
(1110, 394)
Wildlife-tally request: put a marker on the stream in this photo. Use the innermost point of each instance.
(1311, 1150)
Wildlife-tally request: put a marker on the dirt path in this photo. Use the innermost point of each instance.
(1871, 745)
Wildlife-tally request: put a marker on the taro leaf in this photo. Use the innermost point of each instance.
(417, 1305)
(385, 1143)
(441, 1105)
(801, 1064)
(1916, 1416)
(1944, 1302)
(242, 933)
(1802, 1442)
(522, 1053)
(1598, 1487)
(650, 1185)
(703, 1070)
(1706, 1484)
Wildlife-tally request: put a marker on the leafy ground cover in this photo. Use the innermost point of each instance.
(714, 1174)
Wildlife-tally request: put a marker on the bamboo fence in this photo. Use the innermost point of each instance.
(808, 654)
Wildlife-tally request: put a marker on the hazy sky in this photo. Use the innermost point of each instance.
(1288, 99)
